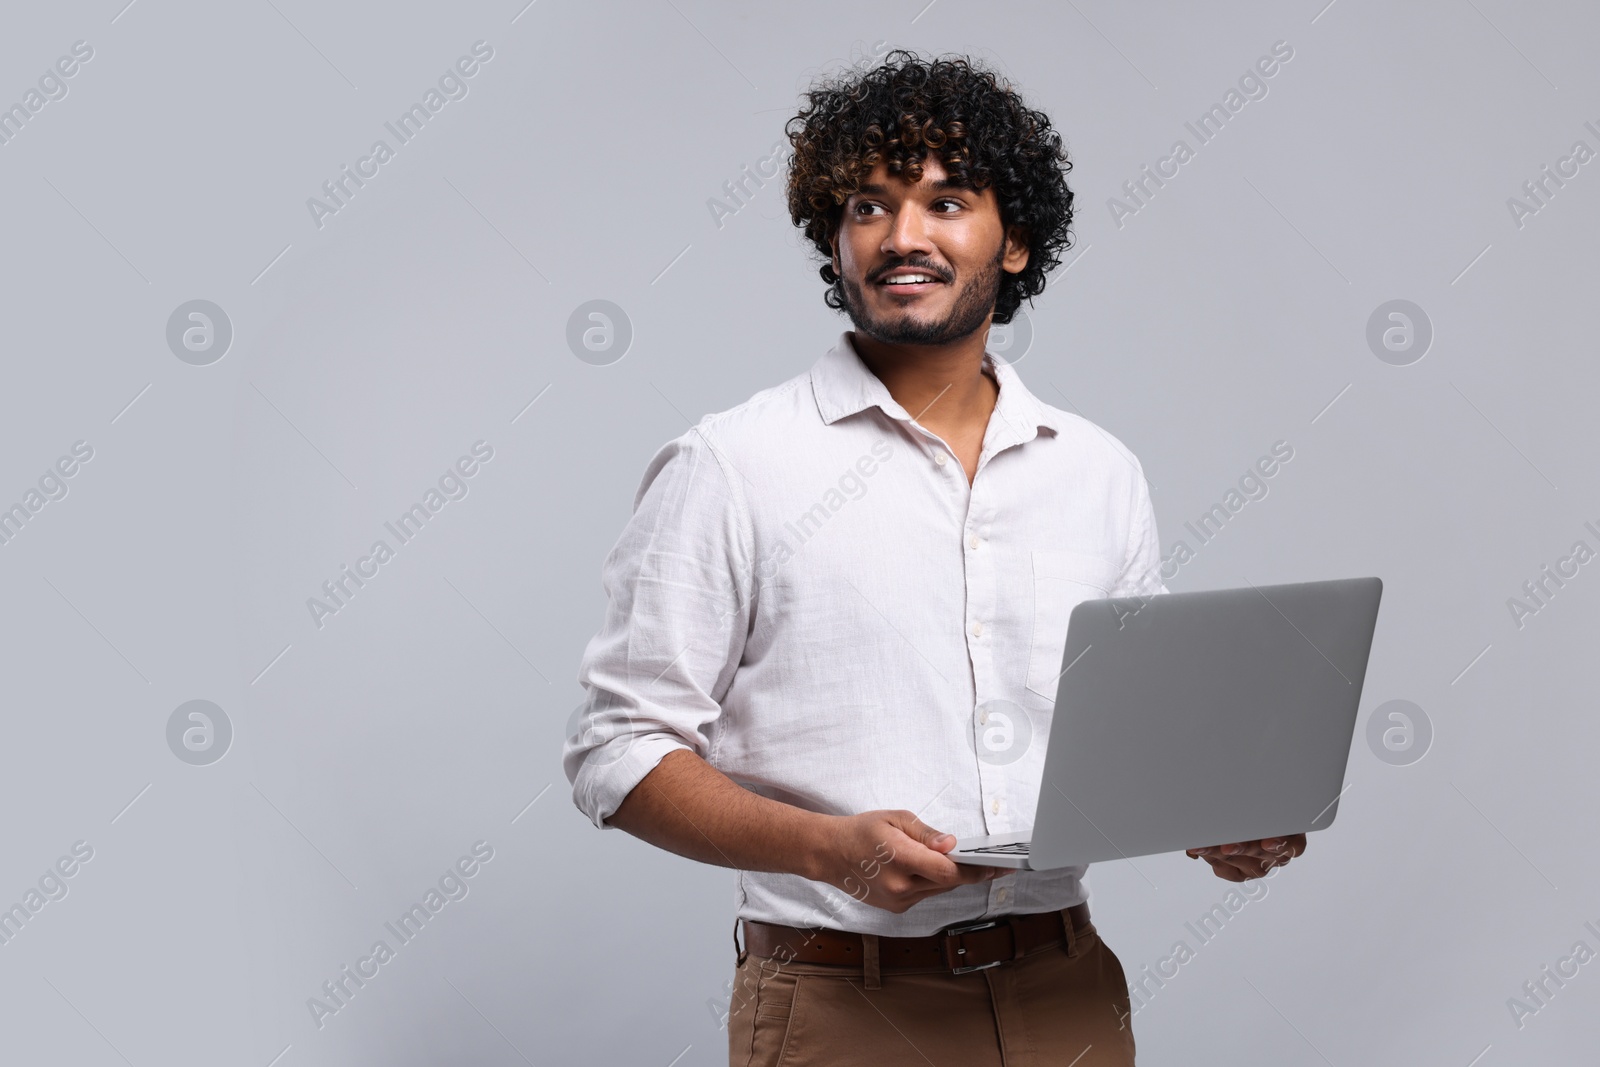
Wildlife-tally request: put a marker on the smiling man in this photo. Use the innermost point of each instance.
(809, 692)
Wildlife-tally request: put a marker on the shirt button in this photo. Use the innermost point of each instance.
(994, 805)
(977, 629)
(938, 457)
(983, 716)
(972, 540)
(1003, 894)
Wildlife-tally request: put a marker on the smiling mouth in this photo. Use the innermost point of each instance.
(902, 287)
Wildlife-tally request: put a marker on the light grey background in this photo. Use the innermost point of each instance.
(1228, 313)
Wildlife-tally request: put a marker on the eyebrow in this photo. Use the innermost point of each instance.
(939, 185)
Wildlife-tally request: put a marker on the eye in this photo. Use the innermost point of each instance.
(866, 205)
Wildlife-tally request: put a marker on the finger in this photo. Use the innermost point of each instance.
(964, 874)
(927, 836)
(969, 874)
(1288, 847)
(977, 872)
(1225, 870)
(1252, 865)
(1246, 866)
(1265, 854)
(913, 858)
(1252, 859)
(1253, 852)
(1236, 855)
(924, 851)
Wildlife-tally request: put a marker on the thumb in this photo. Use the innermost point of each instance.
(922, 833)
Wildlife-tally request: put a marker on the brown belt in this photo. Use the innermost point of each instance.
(969, 946)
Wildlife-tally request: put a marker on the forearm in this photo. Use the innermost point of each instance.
(688, 807)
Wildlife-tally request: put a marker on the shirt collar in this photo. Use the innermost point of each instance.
(843, 385)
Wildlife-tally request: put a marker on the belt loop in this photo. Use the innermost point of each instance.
(1071, 942)
(740, 952)
(869, 961)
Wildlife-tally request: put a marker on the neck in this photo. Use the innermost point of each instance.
(938, 383)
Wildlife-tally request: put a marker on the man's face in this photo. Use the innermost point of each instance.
(949, 234)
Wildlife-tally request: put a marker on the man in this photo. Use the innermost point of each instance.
(825, 593)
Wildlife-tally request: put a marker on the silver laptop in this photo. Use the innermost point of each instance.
(1192, 719)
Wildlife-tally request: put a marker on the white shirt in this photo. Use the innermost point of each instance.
(811, 597)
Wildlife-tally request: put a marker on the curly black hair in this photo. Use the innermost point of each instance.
(896, 112)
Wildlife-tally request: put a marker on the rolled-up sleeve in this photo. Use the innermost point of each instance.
(678, 584)
(1141, 572)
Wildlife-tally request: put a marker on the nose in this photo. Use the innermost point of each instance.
(907, 234)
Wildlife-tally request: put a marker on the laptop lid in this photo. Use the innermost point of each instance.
(1201, 718)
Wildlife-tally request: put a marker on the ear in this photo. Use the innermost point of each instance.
(1016, 255)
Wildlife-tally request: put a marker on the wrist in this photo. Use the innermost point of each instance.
(816, 834)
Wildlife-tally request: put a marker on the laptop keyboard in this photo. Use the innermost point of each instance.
(1019, 848)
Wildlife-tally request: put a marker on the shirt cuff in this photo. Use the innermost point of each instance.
(611, 771)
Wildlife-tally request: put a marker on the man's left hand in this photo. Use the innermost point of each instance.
(1243, 860)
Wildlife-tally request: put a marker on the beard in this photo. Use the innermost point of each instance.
(904, 326)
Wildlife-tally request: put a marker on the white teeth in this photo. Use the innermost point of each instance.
(909, 279)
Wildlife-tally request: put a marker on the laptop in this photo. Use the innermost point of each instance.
(1190, 719)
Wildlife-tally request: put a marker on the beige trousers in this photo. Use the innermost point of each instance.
(1061, 1005)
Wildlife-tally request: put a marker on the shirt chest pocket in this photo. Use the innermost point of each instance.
(1062, 579)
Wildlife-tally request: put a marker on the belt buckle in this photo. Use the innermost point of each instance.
(964, 928)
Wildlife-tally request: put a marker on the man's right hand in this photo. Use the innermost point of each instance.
(891, 860)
